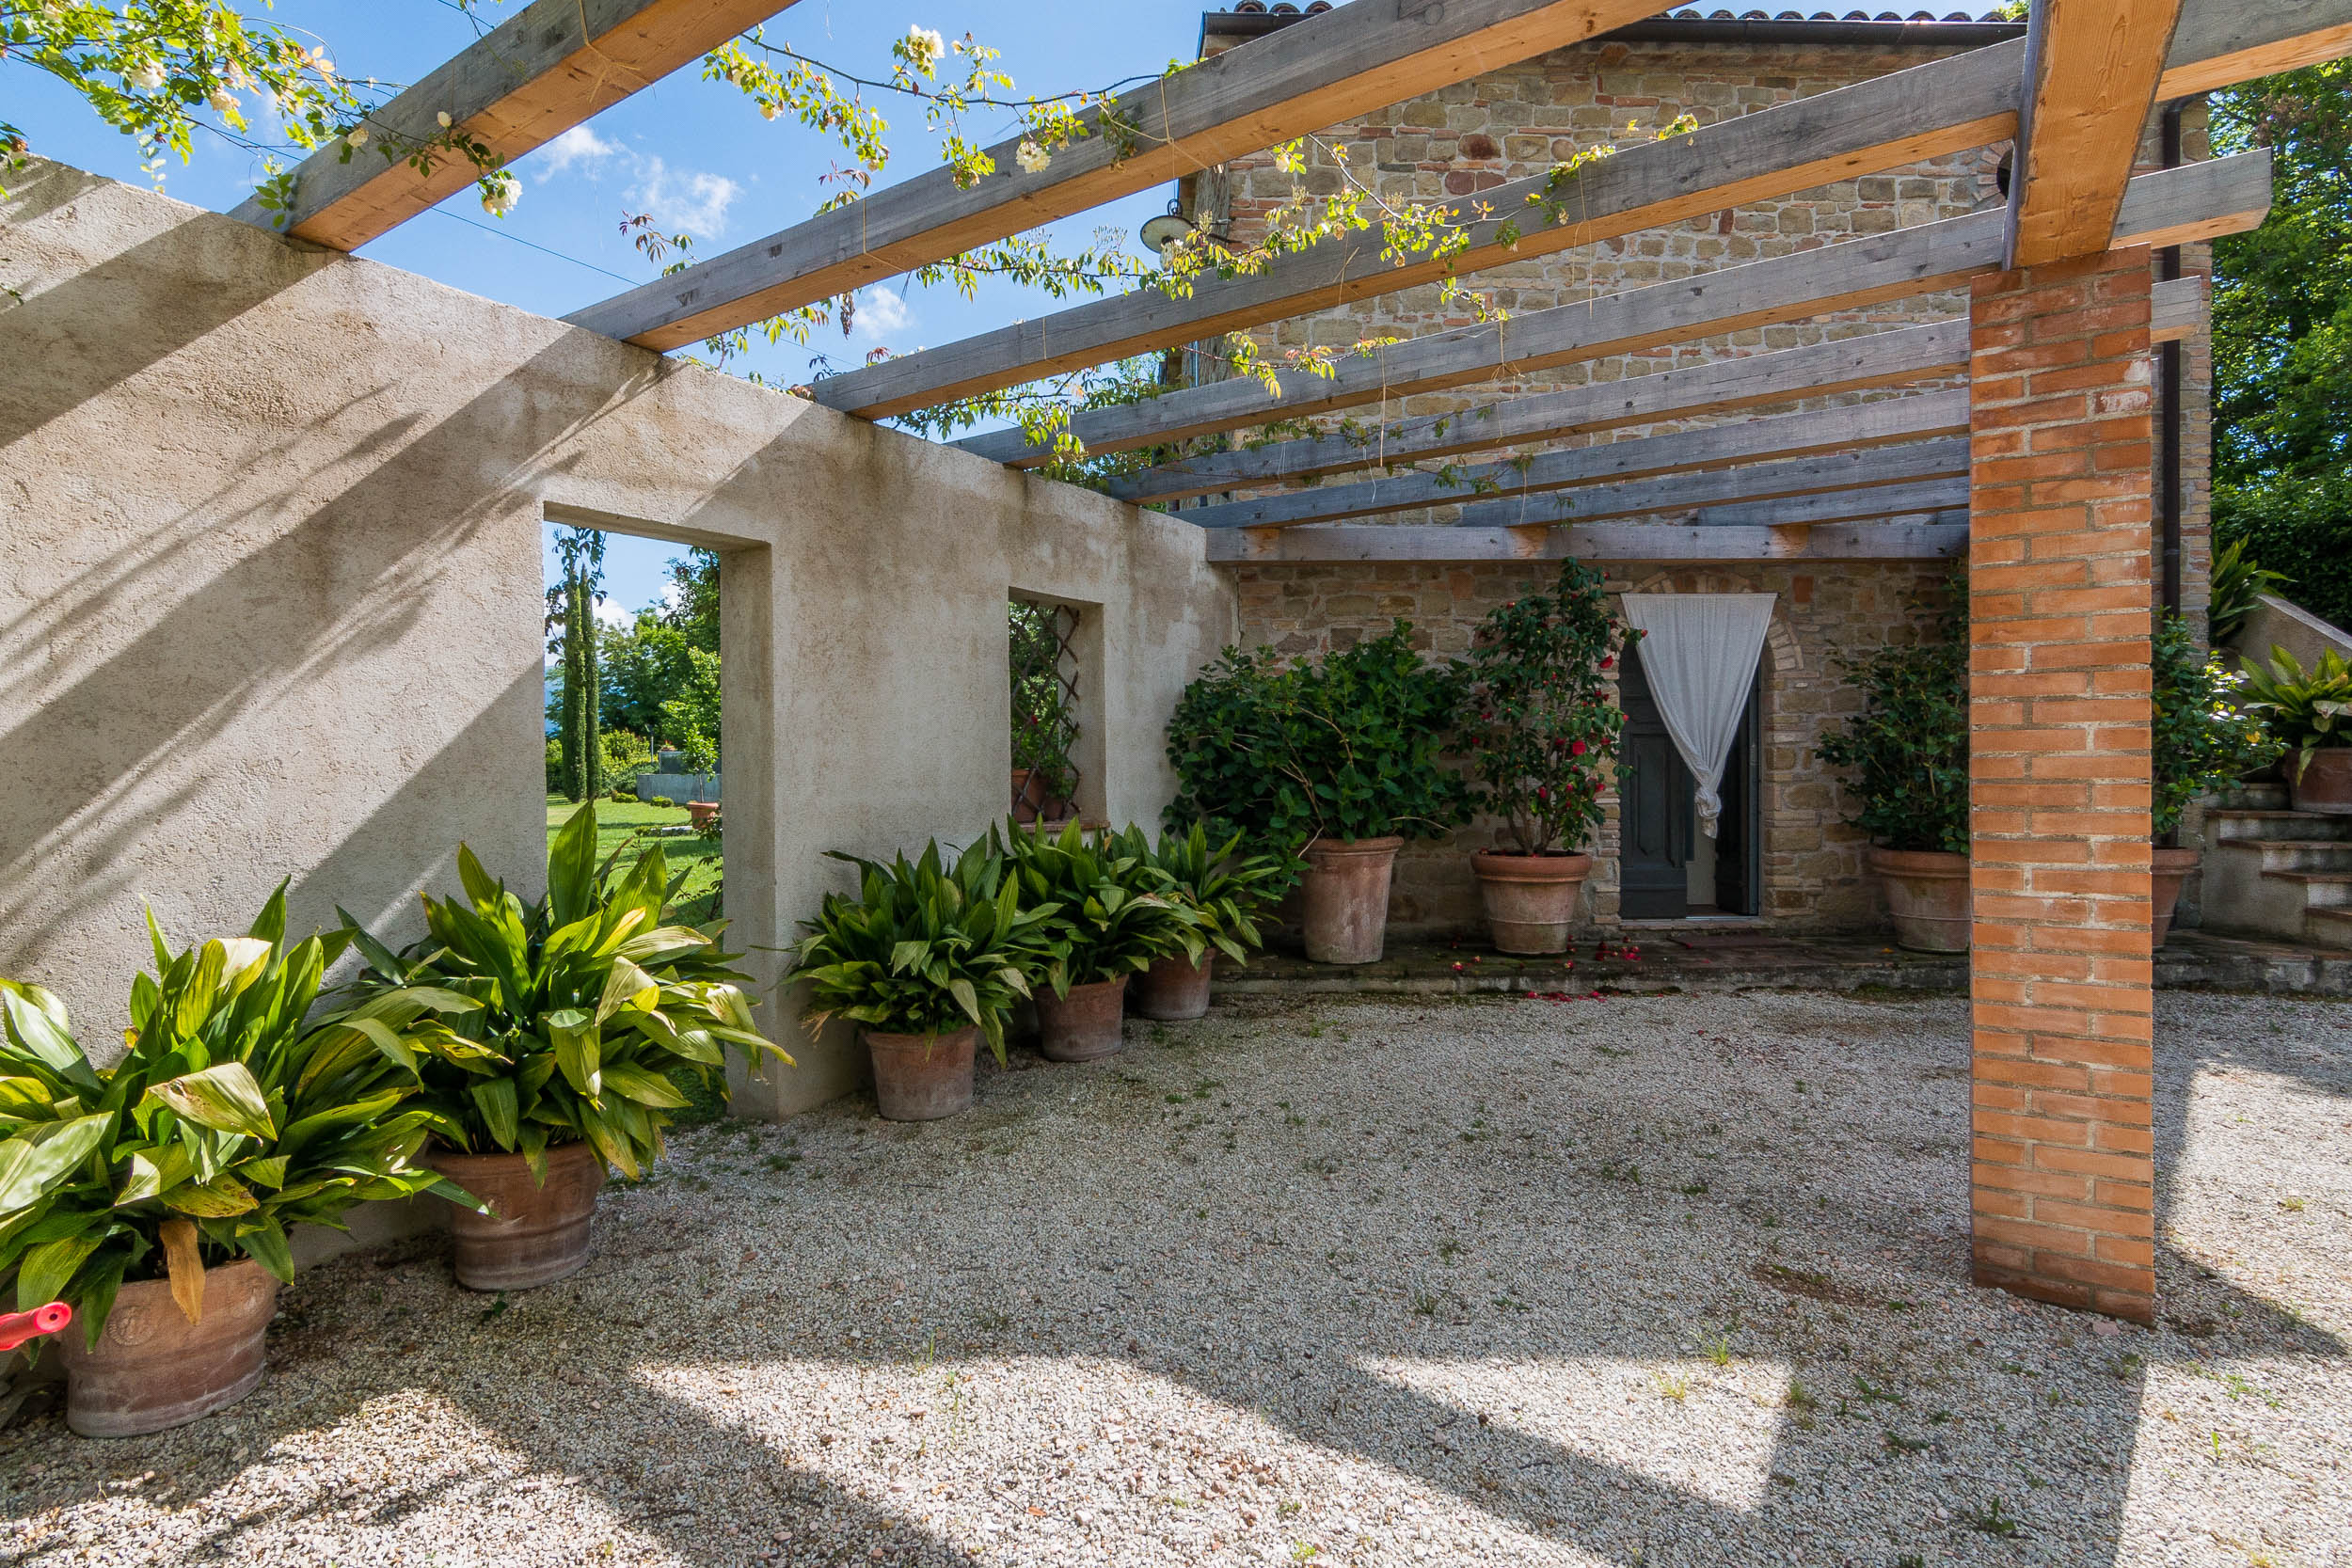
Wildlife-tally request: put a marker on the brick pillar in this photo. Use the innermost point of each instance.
(2059, 578)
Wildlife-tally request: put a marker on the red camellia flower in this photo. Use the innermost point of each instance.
(1577, 749)
(1609, 663)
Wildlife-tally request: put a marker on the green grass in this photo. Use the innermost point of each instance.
(619, 825)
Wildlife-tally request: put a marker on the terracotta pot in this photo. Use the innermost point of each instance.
(153, 1368)
(2325, 785)
(1927, 896)
(1529, 899)
(1173, 987)
(1030, 803)
(1083, 1026)
(702, 813)
(533, 1234)
(2166, 870)
(1343, 898)
(923, 1077)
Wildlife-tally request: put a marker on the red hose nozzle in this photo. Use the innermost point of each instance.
(17, 1327)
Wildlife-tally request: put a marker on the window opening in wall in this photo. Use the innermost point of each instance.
(1045, 673)
(632, 718)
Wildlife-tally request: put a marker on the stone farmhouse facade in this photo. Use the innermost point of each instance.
(1807, 870)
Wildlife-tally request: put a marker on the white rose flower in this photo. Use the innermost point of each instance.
(926, 45)
(356, 136)
(499, 192)
(148, 77)
(222, 101)
(1032, 158)
(767, 111)
(443, 118)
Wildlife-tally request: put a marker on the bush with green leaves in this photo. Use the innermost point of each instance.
(590, 1004)
(2238, 588)
(1111, 912)
(1225, 889)
(233, 1116)
(2306, 711)
(925, 948)
(1350, 747)
(2205, 735)
(1907, 749)
(1534, 720)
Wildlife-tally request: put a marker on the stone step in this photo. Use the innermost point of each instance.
(2250, 796)
(2293, 854)
(2327, 927)
(2235, 825)
(2322, 889)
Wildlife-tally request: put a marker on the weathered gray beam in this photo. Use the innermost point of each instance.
(2221, 42)
(527, 80)
(1909, 117)
(1900, 357)
(1861, 425)
(2167, 207)
(1931, 536)
(1320, 71)
(1850, 473)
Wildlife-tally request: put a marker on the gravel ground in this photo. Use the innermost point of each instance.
(1661, 1280)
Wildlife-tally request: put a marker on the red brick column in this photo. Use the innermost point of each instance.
(2059, 578)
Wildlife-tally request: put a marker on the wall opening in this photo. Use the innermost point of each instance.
(1055, 669)
(1667, 870)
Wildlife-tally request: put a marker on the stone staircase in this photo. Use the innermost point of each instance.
(2274, 872)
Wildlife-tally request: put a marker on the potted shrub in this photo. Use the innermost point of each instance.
(590, 1008)
(2204, 737)
(929, 959)
(1106, 919)
(1225, 891)
(2307, 713)
(1536, 723)
(1340, 761)
(156, 1197)
(1908, 753)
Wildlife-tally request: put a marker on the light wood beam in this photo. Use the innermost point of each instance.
(2091, 69)
(2205, 197)
(526, 82)
(2222, 43)
(1320, 71)
(1940, 535)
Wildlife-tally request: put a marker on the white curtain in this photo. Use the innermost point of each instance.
(1699, 652)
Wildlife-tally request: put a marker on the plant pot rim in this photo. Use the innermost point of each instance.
(1920, 863)
(873, 1034)
(441, 1154)
(2161, 854)
(1504, 865)
(1356, 845)
(1077, 986)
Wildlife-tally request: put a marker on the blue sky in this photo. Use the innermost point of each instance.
(694, 154)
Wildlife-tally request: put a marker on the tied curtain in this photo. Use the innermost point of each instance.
(1699, 653)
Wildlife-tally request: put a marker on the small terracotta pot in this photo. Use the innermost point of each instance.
(1927, 897)
(2325, 785)
(1030, 803)
(533, 1234)
(1343, 898)
(1173, 987)
(153, 1368)
(2166, 870)
(1529, 899)
(702, 813)
(1085, 1026)
(923, 1077)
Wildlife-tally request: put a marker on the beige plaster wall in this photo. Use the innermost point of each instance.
(270, 595)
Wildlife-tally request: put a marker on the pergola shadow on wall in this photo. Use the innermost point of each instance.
(301, 530)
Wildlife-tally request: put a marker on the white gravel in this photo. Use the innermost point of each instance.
(1662, 1280)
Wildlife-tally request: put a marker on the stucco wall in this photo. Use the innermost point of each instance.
(270, 583)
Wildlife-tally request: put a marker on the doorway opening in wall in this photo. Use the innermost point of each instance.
(632, 718)
(1042, 644)
(1667, 868)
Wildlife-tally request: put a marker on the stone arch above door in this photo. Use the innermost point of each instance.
(1779, 640)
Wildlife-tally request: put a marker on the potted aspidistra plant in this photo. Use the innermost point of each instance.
(591, 1009)
(2310, 713)
(2205, 736)
(1537, 726)
(1226, 890)
(158, 1196)
(1340, 761)
(929, 959)
(1907, 752)
(1110, 919)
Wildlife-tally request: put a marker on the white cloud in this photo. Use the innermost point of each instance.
(882, 312)
(612, 614)
(578, 145)
(696, 202)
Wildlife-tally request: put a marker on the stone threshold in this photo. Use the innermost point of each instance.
(1712, 957)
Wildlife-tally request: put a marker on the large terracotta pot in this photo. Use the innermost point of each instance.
(2166, 870)
(1927, 896)
(153, 1368)
(1173, 987)
(1344, 898)
(1083, 1026)
(923, 1077)
(2325, 785)
(1529, 899)
(533, 1234)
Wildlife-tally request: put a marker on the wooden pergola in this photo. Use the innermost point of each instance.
(2025, 448)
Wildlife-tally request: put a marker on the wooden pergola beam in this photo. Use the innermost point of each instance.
(550, 66)
(2222, 43)
(1855, 427)
(1850, 479)
(2171, 206)
(1317, 72)
(1939, 535)
(2091, 69)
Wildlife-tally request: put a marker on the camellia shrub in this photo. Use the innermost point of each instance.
(1907, 749)
(1535, 721)
(2204, 737)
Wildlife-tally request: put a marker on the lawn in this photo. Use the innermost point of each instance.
(623, 828)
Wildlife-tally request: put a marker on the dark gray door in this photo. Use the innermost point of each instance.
(1739, 844)
(1654, 809)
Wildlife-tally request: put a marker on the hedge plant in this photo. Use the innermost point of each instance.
(1907, 749)
(2205, 735)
